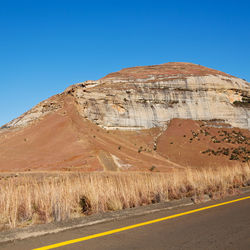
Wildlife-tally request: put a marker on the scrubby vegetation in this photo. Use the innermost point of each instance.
(31, 199)
(240, 153)
(233, 137)
(235, 143)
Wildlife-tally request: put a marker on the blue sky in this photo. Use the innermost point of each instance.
(46, 46)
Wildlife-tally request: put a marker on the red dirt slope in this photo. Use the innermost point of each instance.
(198, 143)
(65, 141)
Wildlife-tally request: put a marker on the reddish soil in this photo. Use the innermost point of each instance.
(65, 141)
(167, 69)
(199, 144)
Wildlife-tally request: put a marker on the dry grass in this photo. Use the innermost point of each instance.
(28, 200)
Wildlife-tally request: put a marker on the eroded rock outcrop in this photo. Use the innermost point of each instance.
(146, 97)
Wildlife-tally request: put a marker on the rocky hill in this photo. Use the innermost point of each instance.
(150, 96)
(119, 120)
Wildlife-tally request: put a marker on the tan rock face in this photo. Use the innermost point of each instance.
(150, 96)
(146, 97)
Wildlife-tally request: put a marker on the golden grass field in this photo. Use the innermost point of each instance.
(39, 198)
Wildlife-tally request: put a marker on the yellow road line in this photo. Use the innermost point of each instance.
(135, 225)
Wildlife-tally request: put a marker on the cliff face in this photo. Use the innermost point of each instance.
(150, 96)
(146, 97)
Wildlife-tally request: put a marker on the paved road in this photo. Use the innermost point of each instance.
(223, 227)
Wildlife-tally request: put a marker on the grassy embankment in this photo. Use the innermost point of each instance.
(26, 200)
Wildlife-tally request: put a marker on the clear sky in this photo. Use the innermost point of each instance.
(46, 46)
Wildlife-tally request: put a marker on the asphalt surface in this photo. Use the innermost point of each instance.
(223, 227)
